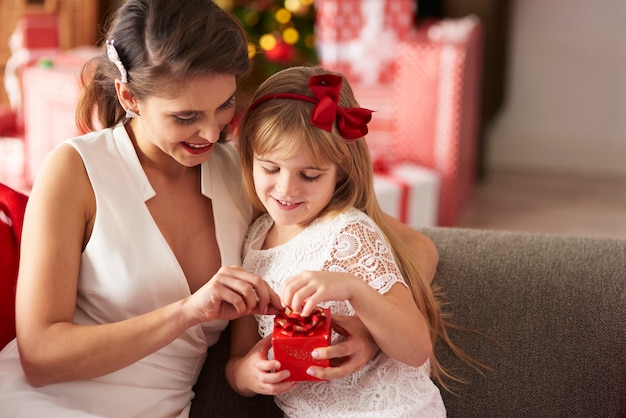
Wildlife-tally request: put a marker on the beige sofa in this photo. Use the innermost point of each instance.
(557, 306)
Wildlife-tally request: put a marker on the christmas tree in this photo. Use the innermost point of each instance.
(281, 32)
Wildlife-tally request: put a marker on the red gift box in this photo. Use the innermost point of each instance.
(359, 37)
(37, 31)
(295, 337)
(437, 91)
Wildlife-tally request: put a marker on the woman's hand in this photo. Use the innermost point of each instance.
(348, 356)
(255, 374)
(231, 293)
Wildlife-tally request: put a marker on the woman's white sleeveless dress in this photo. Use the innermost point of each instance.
(128, 269)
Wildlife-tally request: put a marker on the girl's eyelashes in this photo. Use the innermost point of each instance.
(310, 178)
(305, 177)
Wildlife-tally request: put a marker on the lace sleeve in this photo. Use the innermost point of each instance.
(362, 249)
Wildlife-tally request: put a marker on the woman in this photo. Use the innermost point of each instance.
(132, 235)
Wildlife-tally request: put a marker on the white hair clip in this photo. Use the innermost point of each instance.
(115, 59)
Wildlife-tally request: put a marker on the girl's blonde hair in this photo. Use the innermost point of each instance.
(283, 125)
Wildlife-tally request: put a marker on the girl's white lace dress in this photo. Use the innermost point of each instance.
(350, 242)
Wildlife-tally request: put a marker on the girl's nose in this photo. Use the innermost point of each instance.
(287, 185)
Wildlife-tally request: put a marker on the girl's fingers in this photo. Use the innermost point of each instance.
(296, 292)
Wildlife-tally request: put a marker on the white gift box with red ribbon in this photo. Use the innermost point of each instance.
(359, 37)
(408, 192)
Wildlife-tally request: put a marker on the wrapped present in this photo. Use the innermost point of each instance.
(37, 31)
(51, 94)
(407, 192)
(359, 37)
(382, 126)
(437, 92)
(294, 338)
(35, 36)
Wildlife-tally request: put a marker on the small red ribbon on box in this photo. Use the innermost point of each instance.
(292, 324)
(381, 168)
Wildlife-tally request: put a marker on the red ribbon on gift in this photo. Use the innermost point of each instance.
(381, 168)
(292, 324)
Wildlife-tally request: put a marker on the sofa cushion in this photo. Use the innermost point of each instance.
(557, 306)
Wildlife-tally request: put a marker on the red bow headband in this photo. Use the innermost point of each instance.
(351, 122)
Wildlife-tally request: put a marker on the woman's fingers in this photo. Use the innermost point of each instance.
(347, 356)
(245, 291)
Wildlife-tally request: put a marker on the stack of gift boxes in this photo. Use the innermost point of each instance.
(35, 36)
(43, 84)
(423, 80)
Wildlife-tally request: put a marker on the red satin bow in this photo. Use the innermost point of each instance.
(351, 122)
(292, 324)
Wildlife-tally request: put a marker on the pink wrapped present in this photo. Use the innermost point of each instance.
(381, 128)
(437, 92)
(360, 37)
(50, 99)
(407, 192)
(35, 36)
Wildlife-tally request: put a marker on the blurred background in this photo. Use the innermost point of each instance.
(540, 147)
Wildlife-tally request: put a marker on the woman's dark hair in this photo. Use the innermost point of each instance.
(162, 45)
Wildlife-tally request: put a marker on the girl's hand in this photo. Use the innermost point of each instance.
(308, 289)
(347, 356)
(254, 373)
(231, 293)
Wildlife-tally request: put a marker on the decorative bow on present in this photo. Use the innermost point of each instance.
(291, 324)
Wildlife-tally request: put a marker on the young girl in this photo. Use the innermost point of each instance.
(306, 163)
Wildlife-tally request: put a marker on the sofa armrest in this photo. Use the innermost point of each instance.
(557, 306)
